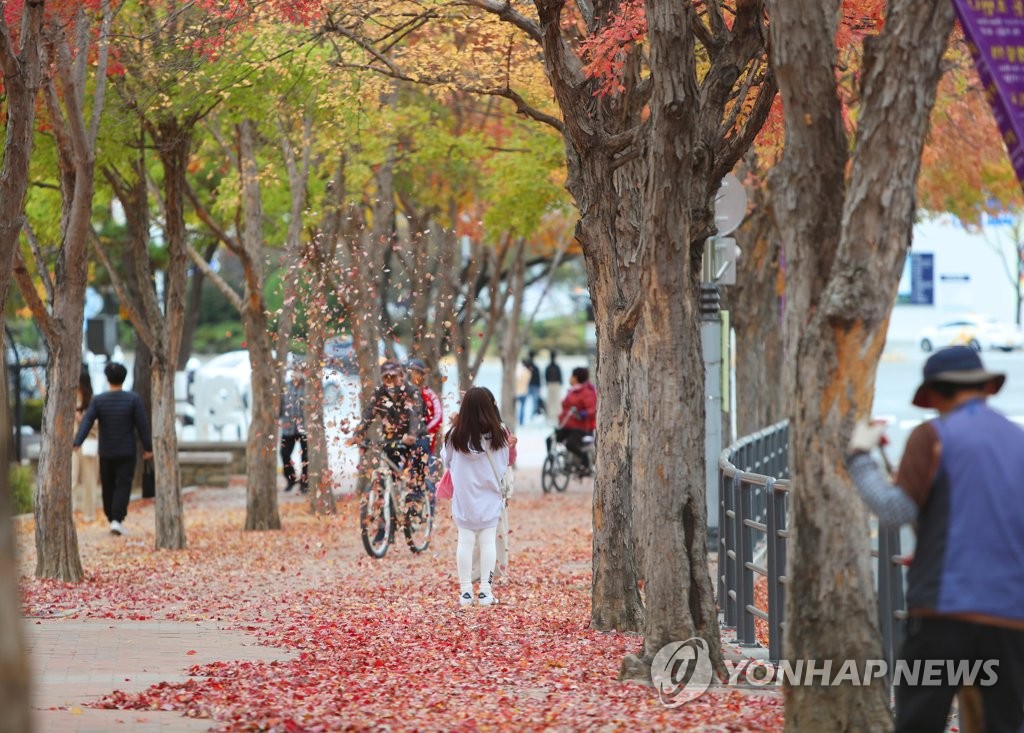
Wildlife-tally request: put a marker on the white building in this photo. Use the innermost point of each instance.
(950, 271)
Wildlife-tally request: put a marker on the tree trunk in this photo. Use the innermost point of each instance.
(615, 589)
(192, 304)
(261, 449)
(321, 482)
(170, 525)
(845, 243)
(22, 77)
(21, 80)
(669, 489)
(15, 680)
(512, 343)
(56, 541)
(174, 146)
(755, 313)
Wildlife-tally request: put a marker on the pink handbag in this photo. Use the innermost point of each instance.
(444, 486)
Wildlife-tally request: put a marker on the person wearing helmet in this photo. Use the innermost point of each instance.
(399, 408)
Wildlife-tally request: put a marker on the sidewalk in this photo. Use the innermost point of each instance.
(76, 661)
(300, 630)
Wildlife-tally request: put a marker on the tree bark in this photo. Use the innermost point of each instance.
(56, 541)
(261, 450)
(321, 482)
(170, 525)
(512, 343)
(15, 678)
(21, 79)
(755, 313)
(844, 242)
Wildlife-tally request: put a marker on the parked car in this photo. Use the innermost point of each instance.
(978, 332)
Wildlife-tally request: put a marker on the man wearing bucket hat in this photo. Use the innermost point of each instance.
(961, 481)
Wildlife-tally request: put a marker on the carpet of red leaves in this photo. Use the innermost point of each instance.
(380, 644)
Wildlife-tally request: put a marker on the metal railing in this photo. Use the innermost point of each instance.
(754, 486)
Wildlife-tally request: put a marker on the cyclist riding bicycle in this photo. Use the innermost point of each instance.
(578, 418)
(399, 407)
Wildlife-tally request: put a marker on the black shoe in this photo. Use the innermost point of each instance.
(304, 488)
(289, 487)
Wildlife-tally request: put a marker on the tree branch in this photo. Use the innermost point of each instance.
(28, 291)
(207, 219)
(220, 283)
(505, 11)
(37, 254)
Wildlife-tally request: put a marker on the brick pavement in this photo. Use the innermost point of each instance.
(75, 661)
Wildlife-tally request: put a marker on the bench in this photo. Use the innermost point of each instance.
(205, 458)
(205, 468)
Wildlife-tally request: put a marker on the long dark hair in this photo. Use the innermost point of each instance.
(85, 387)
(478, 416)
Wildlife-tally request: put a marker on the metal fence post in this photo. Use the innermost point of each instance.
(774, 571)
(745, 557)
(724, 495)
(731, 553)
(890, 591)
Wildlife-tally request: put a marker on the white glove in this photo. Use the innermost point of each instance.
(866, 436)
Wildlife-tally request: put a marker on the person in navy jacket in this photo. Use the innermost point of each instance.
(121, 416)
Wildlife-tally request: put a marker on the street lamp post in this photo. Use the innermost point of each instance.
(719, 268)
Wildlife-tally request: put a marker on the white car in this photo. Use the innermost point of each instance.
(978, 332)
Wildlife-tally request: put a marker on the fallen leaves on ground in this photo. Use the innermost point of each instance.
(381, 644)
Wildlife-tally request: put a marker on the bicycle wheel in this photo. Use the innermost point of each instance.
(419, 522)
(375, 519)
(562, 472)
(547, 474)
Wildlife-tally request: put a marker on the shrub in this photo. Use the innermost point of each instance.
(23, 487)
(218, 338)
(32, 414)
(564, 334)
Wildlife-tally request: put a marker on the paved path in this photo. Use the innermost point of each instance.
(76, 661)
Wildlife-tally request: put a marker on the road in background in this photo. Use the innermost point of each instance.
(899, 374)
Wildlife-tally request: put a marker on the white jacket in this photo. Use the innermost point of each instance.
(476, 496)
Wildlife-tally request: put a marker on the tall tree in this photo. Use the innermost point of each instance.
(845, 231)
(69, 42)
(21, 66)
(644, 165)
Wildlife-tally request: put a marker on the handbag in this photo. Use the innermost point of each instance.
(148, 480)
(444, 486)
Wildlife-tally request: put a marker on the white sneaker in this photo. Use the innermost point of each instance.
(117, 528)
(486, 599)
(466, 599)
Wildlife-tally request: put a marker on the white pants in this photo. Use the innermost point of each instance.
(85, 483)
(464, 557)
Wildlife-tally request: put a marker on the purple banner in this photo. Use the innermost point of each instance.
(995, 34)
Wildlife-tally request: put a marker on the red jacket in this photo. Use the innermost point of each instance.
(434, 414)
(584, 398)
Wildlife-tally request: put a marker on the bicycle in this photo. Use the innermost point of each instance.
(561, 464)
(386, 493)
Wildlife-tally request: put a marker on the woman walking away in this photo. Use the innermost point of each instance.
(476, 453)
